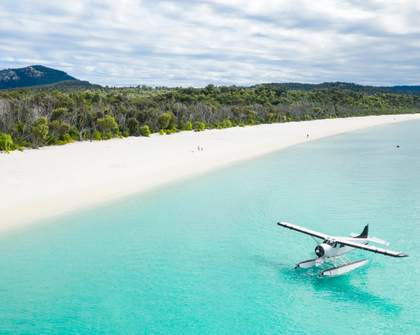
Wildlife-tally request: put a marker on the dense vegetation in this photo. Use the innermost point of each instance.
(414, 89)
(45, 116)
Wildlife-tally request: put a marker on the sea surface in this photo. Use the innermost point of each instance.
(205, 256)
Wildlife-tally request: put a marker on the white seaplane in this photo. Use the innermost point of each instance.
(333, 248)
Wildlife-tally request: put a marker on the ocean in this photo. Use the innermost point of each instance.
(205, 255)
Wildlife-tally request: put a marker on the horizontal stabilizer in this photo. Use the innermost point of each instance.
(377, 240)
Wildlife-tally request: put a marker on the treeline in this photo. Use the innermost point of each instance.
(36, 117)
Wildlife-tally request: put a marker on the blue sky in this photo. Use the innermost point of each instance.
(193, 43)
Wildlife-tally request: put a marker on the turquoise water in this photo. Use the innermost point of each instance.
(205, 256)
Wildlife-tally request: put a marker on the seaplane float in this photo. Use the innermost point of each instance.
(332, 250)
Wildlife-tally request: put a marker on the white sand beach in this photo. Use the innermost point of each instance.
(37, 184)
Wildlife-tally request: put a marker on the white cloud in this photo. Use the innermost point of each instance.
(191, 42)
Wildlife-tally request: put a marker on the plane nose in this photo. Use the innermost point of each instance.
(319, 251)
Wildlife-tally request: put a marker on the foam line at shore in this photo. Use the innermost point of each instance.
(37, 184)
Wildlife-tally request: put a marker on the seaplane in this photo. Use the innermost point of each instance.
(332, 250)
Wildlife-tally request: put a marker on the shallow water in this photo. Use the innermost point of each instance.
(206, 255)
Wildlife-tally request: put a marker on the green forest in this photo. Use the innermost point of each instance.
(35, 117)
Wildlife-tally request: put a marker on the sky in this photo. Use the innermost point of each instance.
(221, 42)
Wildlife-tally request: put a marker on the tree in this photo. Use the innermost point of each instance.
(39, 131)
(6, 142)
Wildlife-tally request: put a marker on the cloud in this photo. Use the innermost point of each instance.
(193, 43)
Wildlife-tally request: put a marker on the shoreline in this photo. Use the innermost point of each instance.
(40, 183)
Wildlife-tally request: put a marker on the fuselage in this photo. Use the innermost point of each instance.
(330, 248)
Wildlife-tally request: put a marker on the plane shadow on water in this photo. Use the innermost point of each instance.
(337, 288)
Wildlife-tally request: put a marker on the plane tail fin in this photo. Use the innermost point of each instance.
(364, 233)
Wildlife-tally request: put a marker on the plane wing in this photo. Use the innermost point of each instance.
(371, 248)
(303, 230)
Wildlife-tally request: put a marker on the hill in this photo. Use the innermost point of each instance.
(36, 75)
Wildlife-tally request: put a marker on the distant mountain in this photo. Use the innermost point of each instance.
(403, 89)
(36, 75)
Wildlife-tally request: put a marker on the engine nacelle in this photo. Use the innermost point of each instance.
(324, 250)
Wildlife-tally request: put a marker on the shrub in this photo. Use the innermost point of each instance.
(108, 126)
(74, 133)
(133, 126)
(164, 120)
(97, 136)
(171, 131)
(188, 126)
(58, 129)
(58, 113)
(251, 118)
(39, 131)
(226, 123)
(6, 142)
(145, 130)
(67, 138)
(20, 143)
(199, 126)
(162, 132)
(270, 117)
(107, 135)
